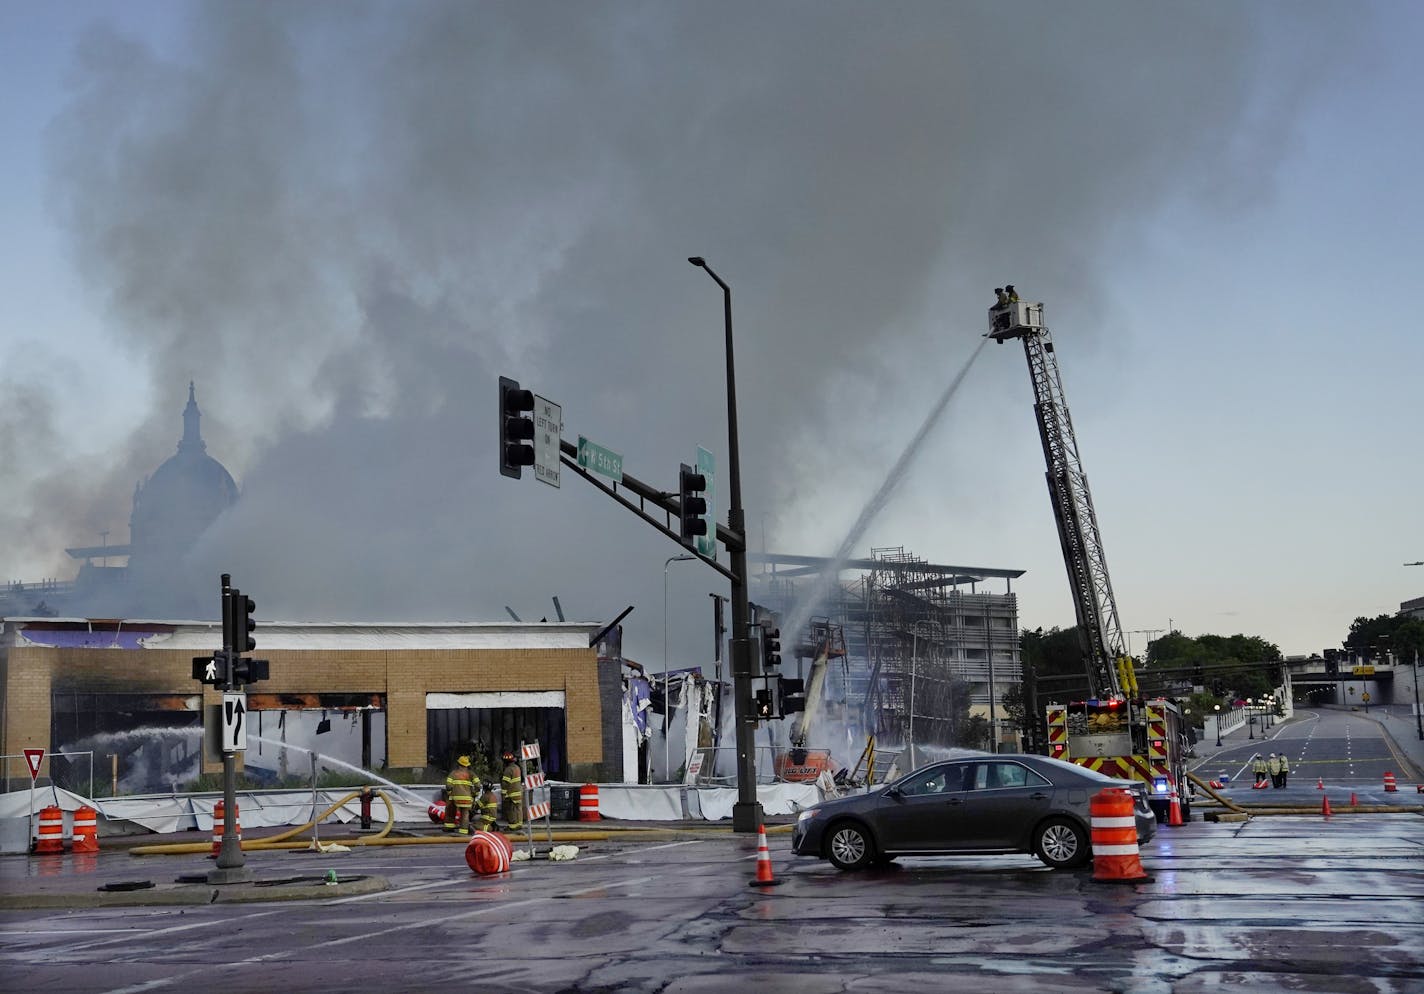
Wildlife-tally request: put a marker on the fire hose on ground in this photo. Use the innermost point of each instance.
(381, 838)
(1253, 810)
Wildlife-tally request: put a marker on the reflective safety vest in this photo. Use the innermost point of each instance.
(1258, 765)
(1274, 765)
(1285, 763)
(460, 788)
(512, 783)
(489, 810)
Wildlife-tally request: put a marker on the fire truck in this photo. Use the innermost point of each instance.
(1115, 731)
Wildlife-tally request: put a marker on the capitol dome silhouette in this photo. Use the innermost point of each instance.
(175, 506)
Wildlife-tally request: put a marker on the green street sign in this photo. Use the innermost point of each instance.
(596, 459)
(707, 544)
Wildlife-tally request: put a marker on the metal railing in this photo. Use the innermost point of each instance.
(15, 772)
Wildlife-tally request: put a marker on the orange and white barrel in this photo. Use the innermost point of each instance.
(50, 837)
(86, 831)
(220, 824)
(1390, 787)
(489, 853)
(588, 802)
(1115, 855)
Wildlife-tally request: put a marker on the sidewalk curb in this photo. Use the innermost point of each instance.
(177, 895)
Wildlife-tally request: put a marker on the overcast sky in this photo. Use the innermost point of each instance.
(345, 220)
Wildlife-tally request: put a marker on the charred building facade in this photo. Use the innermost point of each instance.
(921, 649)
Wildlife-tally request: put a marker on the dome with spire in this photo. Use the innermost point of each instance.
(184, 496)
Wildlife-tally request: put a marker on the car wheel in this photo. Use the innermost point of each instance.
(849, 846)
(1061, 844)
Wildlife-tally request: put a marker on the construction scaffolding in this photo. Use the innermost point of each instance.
(921, 653)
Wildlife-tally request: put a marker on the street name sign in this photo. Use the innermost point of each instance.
(234, 722)
(596, 459)
(548, 430)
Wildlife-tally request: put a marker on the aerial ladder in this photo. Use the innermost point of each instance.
(1093, 601)
(1116, 732)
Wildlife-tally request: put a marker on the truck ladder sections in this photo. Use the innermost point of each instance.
(1093, 600)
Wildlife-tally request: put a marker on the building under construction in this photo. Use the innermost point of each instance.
(914, 644)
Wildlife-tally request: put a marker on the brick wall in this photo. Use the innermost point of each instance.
(30, 674)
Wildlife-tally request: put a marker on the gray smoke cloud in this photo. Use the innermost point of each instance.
(345, 220)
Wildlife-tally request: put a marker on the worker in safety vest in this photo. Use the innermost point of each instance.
(511, 784)
(460, 795)
(1260, 769)
(1013, 294)
(1285, 769)
(489, 809)
(1002, 297)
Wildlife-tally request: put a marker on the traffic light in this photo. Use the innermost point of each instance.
(515, 428)
(793, 695)
(770, 648)
(212, 670)
(691, 505)
(242, 624)
(245, 671)
(762, 704)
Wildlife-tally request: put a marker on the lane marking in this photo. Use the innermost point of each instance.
(174, 929)
(450, 883)
(442, 917)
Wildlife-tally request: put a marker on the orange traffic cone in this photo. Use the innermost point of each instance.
(763, 873)
(1325, 806)
(1319, 783)
(1174, 808)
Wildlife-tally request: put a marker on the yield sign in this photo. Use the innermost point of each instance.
(34, 757)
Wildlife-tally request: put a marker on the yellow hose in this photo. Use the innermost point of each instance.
(279, 841)
(1268, 809)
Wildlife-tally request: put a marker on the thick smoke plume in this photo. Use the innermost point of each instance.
(345, 220)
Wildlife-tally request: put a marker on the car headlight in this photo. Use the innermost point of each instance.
(807, 814)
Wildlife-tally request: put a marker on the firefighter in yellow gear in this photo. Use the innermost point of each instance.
(511, 784)
(1260, 769)
(460, 795)
(489, 809)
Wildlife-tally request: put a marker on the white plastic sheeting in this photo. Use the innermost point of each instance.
(642, 802)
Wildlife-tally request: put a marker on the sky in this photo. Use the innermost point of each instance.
(344, 221)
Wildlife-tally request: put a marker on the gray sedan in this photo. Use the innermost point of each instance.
(984, 804)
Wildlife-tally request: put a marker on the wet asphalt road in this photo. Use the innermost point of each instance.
(1284, 903)
(1344, 749)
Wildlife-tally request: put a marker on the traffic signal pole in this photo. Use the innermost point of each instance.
(746, 813)
(230, 866)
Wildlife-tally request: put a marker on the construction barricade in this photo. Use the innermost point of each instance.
(588, 802)
(1390, 787)
(220, 823)
(86, 831)
(50, 837)
(488, 853)
(1115, 855)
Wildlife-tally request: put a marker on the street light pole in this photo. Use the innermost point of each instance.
(667, 696)
(1250, 719)
(746, 812)
(1418, 715)
(1218, 724)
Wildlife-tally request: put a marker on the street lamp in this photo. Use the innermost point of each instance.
(1217, 709)
(746, 812)
(1250, 718)
(1418, 715)
(667, 697)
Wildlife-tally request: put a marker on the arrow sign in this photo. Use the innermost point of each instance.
(234, 723)
(34, 757)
